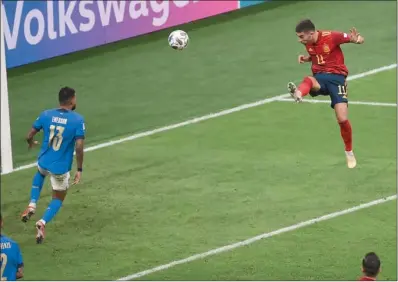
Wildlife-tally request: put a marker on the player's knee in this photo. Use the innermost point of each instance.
(60, 195)
(315, 84)
(341, 112)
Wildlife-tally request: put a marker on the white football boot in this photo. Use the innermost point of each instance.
(351, 161)
(293, 91)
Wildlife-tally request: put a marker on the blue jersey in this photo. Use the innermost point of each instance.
(61, 130)
(11, 259)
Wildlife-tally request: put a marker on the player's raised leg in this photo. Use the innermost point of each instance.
(60, 184)
(341, 110)
(37, 185)
(308, 84)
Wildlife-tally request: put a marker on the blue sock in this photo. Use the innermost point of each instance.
(52, 209)
(37, 185)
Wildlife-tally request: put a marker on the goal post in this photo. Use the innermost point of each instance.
(6, 148)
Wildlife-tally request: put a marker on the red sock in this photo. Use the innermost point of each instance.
(305, 86)
(346, 134)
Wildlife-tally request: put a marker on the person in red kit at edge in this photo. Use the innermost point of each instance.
(329, 74)
(370, 267)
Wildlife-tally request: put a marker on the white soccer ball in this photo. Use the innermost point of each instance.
(178, 40)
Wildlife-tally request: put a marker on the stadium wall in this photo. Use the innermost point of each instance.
(38, 30)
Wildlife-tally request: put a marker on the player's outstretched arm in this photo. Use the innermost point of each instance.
(79, 159)
(343, 37)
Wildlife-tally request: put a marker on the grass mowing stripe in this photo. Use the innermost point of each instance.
(259, 237)
(205, 117)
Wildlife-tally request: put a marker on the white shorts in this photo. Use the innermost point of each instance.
(59, 182)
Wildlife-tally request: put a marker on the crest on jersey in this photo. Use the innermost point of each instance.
(326, 48)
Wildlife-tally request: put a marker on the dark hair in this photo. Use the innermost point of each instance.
(65, 94)
(371, 264)
(305, 25)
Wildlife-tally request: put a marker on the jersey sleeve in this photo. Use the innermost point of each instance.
(38, 123)
(340, 37)
(80, 130)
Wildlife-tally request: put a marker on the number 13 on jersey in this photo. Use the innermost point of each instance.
(56, 139)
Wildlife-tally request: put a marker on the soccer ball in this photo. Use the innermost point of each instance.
(178, 40)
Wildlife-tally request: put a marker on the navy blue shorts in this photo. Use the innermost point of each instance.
(333, 85)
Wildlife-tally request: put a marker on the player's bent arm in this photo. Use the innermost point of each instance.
(304, 59)
(32, 132)
(79, 153)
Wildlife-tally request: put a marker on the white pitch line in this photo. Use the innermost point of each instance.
(205, 117)
(314, 101)
(257, 238)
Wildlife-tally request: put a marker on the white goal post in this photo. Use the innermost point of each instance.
(6, 149)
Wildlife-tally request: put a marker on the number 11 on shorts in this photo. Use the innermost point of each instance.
(342, 90)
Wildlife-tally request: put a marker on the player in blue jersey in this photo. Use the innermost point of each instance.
(11, 263)
(64, 133)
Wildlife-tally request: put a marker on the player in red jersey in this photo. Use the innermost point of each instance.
(370, 267)
(329, 74)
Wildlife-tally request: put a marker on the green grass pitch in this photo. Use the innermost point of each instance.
(192, 189)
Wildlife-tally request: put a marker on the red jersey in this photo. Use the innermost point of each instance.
(326, 54)
(367, 278)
